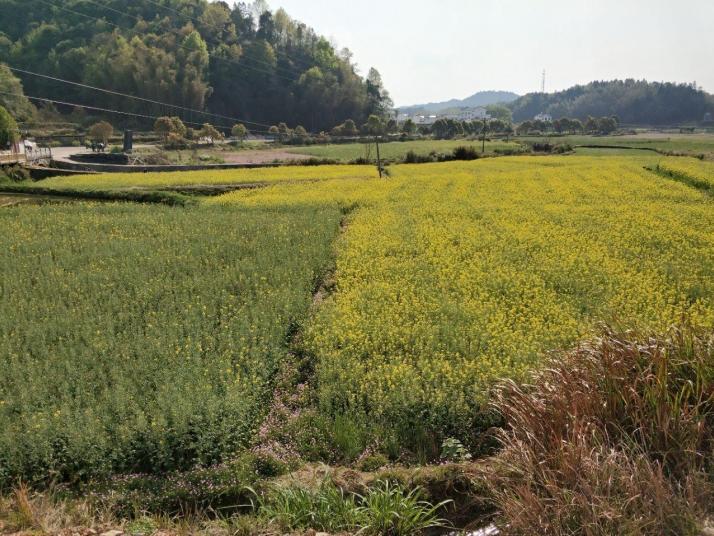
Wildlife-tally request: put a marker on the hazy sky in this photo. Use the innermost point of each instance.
(436, 50)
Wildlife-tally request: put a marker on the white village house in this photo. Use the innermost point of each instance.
(471, 114)
(424, 119)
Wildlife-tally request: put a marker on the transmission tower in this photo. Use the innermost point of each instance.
(542, 84)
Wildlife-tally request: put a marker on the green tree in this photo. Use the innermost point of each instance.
(440, 129)
(193, 62)
(8, 129)
(497, 125)
(101, 132)
(379, 100)
(12, 95)
(239, 131)
(509, 131)
(606, 125)
(591, 125)
(374, 126)
(163, 126)
(228, 60)
(349, 128)
(210, 133)
(524, 128)
(542, 126)
(301, 134)
(409, 127)
(284, 132)
(445, 129)
(501, 112)
(178, 127)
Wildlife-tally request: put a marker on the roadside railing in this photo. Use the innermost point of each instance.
(38, 154)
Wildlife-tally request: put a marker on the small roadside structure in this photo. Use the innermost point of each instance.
(13, 153)
(546, 118)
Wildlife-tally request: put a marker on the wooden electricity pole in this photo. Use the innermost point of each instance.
(379, 158)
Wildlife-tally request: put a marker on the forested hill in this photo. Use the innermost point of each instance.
(245, 62)
(633, 101)
(482, 98)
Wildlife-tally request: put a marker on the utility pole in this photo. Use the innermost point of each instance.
(379, 158)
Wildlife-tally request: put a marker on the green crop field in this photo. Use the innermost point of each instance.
(688, 144)
(144, 338)
(397, 150)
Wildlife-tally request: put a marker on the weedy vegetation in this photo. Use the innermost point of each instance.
(385, 509)
(614, 437)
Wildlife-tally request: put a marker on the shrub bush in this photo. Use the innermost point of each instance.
(14, 173)
(466, 153)
(551, 148)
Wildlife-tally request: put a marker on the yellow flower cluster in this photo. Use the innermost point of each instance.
(468, 272)
(451, 276)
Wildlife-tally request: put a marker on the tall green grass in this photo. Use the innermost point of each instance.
(385, 509)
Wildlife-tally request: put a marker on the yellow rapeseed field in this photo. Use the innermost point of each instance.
(450, 276)
(144, 338)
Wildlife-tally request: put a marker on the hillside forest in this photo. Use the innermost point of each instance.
(244, 61)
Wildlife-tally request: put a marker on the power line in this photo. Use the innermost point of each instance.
(192, 19)
(126, 95)
(108, 110)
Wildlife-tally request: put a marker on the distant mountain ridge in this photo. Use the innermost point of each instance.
(482, 98)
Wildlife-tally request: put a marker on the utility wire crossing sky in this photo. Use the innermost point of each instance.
(433, 51)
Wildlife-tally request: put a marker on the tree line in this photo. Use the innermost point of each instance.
(632, 101)
(243, 61)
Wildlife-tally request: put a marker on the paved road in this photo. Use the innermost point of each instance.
(241, 156)
(62, 154)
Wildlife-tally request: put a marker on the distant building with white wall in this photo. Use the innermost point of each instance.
(546, 118)
(469, 114)
(424, 119)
